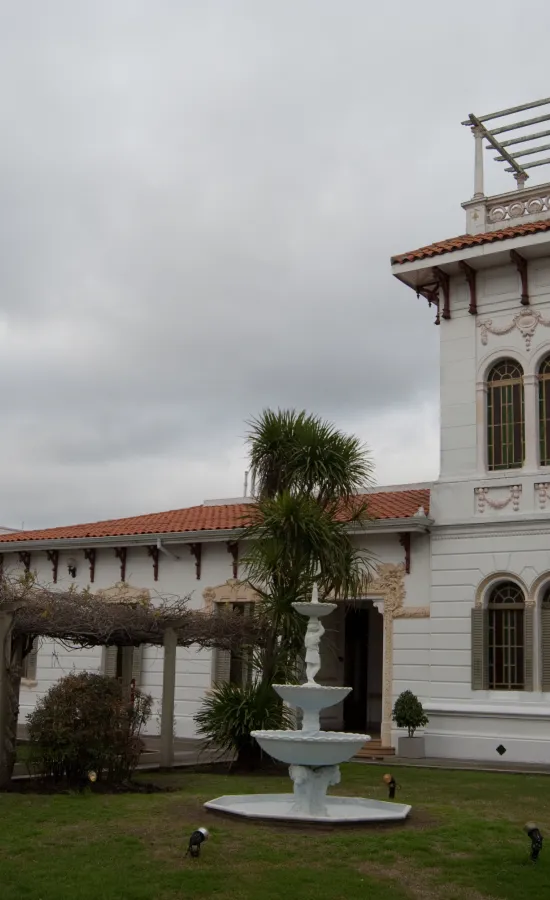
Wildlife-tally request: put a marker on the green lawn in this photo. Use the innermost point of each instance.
(464, 841)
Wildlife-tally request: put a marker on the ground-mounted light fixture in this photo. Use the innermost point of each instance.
(392, 784)
(195, 841)
(535, 837)
(71, 567)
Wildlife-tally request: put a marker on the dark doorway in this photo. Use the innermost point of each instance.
(363, 663)
(355, 668)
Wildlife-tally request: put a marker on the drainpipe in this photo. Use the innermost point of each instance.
(165, 551)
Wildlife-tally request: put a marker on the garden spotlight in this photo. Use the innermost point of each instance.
(392, 784)
(195, 841)
(535, 837)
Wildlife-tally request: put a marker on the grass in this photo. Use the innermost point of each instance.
(464, 841)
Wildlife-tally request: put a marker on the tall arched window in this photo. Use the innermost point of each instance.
(544, 411)
(506, 638)
(545, 640)
(505, 419)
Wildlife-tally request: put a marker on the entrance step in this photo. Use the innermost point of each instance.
(374, 750)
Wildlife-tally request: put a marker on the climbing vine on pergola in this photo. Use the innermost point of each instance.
(119, 618)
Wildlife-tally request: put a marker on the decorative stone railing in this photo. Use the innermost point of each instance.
(524, 205)
(494, 213)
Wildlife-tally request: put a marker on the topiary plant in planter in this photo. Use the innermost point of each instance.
(408, 713)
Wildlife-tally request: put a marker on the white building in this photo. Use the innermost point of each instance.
(460, 609)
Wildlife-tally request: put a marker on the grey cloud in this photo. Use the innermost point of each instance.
(198, 202)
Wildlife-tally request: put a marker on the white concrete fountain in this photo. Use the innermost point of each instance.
(312, 754)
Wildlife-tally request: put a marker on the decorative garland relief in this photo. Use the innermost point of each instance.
(526, 322)
(484, 500)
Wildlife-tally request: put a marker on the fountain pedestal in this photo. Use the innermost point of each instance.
(312, 754)
(310, 789)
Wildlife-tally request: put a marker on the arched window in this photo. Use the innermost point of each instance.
(506, 639)
(505, 419)
(545, 640)
(544, 411)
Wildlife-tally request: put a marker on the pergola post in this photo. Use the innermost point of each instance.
(127, 667)
(168, 695)
(6, 621)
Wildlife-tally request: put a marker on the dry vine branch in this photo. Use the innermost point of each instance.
(84, 619)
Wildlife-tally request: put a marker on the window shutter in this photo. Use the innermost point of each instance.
(136, 665)
(528, 646)
(545, 647)
(480, 662)
(110, 659)
(221, 669)
(30, 662)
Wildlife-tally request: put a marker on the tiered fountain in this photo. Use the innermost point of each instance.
(313, 755)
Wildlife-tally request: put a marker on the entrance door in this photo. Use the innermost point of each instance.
(355, 668)
(363, 660)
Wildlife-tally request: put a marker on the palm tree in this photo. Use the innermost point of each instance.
(307, 478)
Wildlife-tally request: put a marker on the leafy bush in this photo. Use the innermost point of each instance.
(230, 712)
(408, 713)
(86, 723)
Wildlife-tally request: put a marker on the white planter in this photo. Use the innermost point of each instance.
(411, 748)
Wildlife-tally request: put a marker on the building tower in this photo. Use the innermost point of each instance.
(490, 548)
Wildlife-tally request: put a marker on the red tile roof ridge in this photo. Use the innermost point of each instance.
(400, 504)
(468, 240)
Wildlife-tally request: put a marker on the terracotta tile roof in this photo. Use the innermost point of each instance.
(470, 240)
(382, 505)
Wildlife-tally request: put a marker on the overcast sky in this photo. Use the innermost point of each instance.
(199, 201)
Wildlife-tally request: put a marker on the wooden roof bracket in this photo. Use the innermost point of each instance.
(405, 541)
(196, 553)
(521, 265)
(431, 293)
(471, 279)
(445, 285)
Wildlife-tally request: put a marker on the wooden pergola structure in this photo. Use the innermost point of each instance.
(119, 618)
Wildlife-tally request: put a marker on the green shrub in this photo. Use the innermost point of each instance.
(408, 713)
(230, 712)
(86, 723)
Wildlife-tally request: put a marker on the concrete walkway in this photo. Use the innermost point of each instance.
(470, 765)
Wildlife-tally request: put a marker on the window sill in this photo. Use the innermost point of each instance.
(28, 683)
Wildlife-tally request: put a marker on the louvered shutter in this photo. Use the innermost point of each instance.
(545, 647)
(30, 662)
(110, 660)
(136, 665)
(528, 646)
(480, 656)
(221, 668)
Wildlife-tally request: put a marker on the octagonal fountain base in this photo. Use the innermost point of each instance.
(281, 808)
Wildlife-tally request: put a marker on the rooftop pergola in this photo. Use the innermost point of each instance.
(119, 616)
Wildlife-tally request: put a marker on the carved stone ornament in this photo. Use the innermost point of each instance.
(389, 584)
(542, 493)
(121, 592)
(484, 499)
(232, 591)
(526, 322)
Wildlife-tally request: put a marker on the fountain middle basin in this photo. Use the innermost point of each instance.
(318, 748)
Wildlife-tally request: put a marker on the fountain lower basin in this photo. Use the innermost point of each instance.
(282, 808)
(317, 748)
